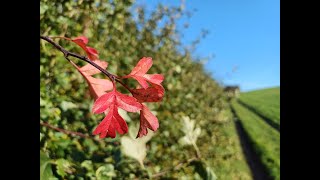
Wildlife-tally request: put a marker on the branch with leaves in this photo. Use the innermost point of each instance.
(107, 98)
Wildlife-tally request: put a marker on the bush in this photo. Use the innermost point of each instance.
(122, 39)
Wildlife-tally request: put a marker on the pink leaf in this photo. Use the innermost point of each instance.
(111, 131)
(120, 124)
(154, 78)
(104, 125)
(91, 70)
(92, 53)
(142, 67)
(139, 73)
(147, 120)
(128, 103)
(103, 102)
(82, 41)
(123, 101)
(111, 101)
(97, 86)
(111, 124)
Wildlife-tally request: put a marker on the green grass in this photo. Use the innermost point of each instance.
(265, 102)
(229, 161)
(265, 140)
(227, 158)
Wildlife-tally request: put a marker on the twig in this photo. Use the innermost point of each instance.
(74, 133)
(66, 131)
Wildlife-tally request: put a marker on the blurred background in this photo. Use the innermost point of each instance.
(220, 117)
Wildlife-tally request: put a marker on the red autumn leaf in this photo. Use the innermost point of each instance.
(113, 121)
(110, 124)
(154, 78)
(140, 70)
(92, 53)
(151, 94)
(97, 86)
(147, 120)
(82, 41)
(114, 97)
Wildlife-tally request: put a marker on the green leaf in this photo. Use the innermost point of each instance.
(105, 172)
(63, 166)
(65, 105)
(124, 115)
(210, 174)
(191, 133)
(41, 136)
(91, 145)
(87, 164)
(45, 167)
(135, 147)
(43, 8)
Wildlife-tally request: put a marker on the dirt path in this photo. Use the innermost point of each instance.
(256, 167)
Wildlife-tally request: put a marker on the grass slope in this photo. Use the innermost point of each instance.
(265, 102)
(265, 140)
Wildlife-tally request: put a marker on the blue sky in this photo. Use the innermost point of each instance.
(244, 39)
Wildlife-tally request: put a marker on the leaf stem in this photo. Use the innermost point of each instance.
(197, 150)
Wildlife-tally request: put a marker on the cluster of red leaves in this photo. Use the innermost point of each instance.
(108, 99)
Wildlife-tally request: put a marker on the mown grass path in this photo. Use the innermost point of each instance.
(261, 143)
(257, 169)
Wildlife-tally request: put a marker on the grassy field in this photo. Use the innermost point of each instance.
(265, 102)
(229, 161)
(264, 138)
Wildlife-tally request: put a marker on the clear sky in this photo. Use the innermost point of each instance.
(244, 39)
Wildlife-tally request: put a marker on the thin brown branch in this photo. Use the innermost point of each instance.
(65, 131)
(124, 85)
(174, 168)
(73, 133)
(67, 53)
(84, 58)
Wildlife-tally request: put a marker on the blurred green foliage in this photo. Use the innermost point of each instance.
(122, 36)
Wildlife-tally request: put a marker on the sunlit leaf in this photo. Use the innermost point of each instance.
(191, 133)
(45, 167)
